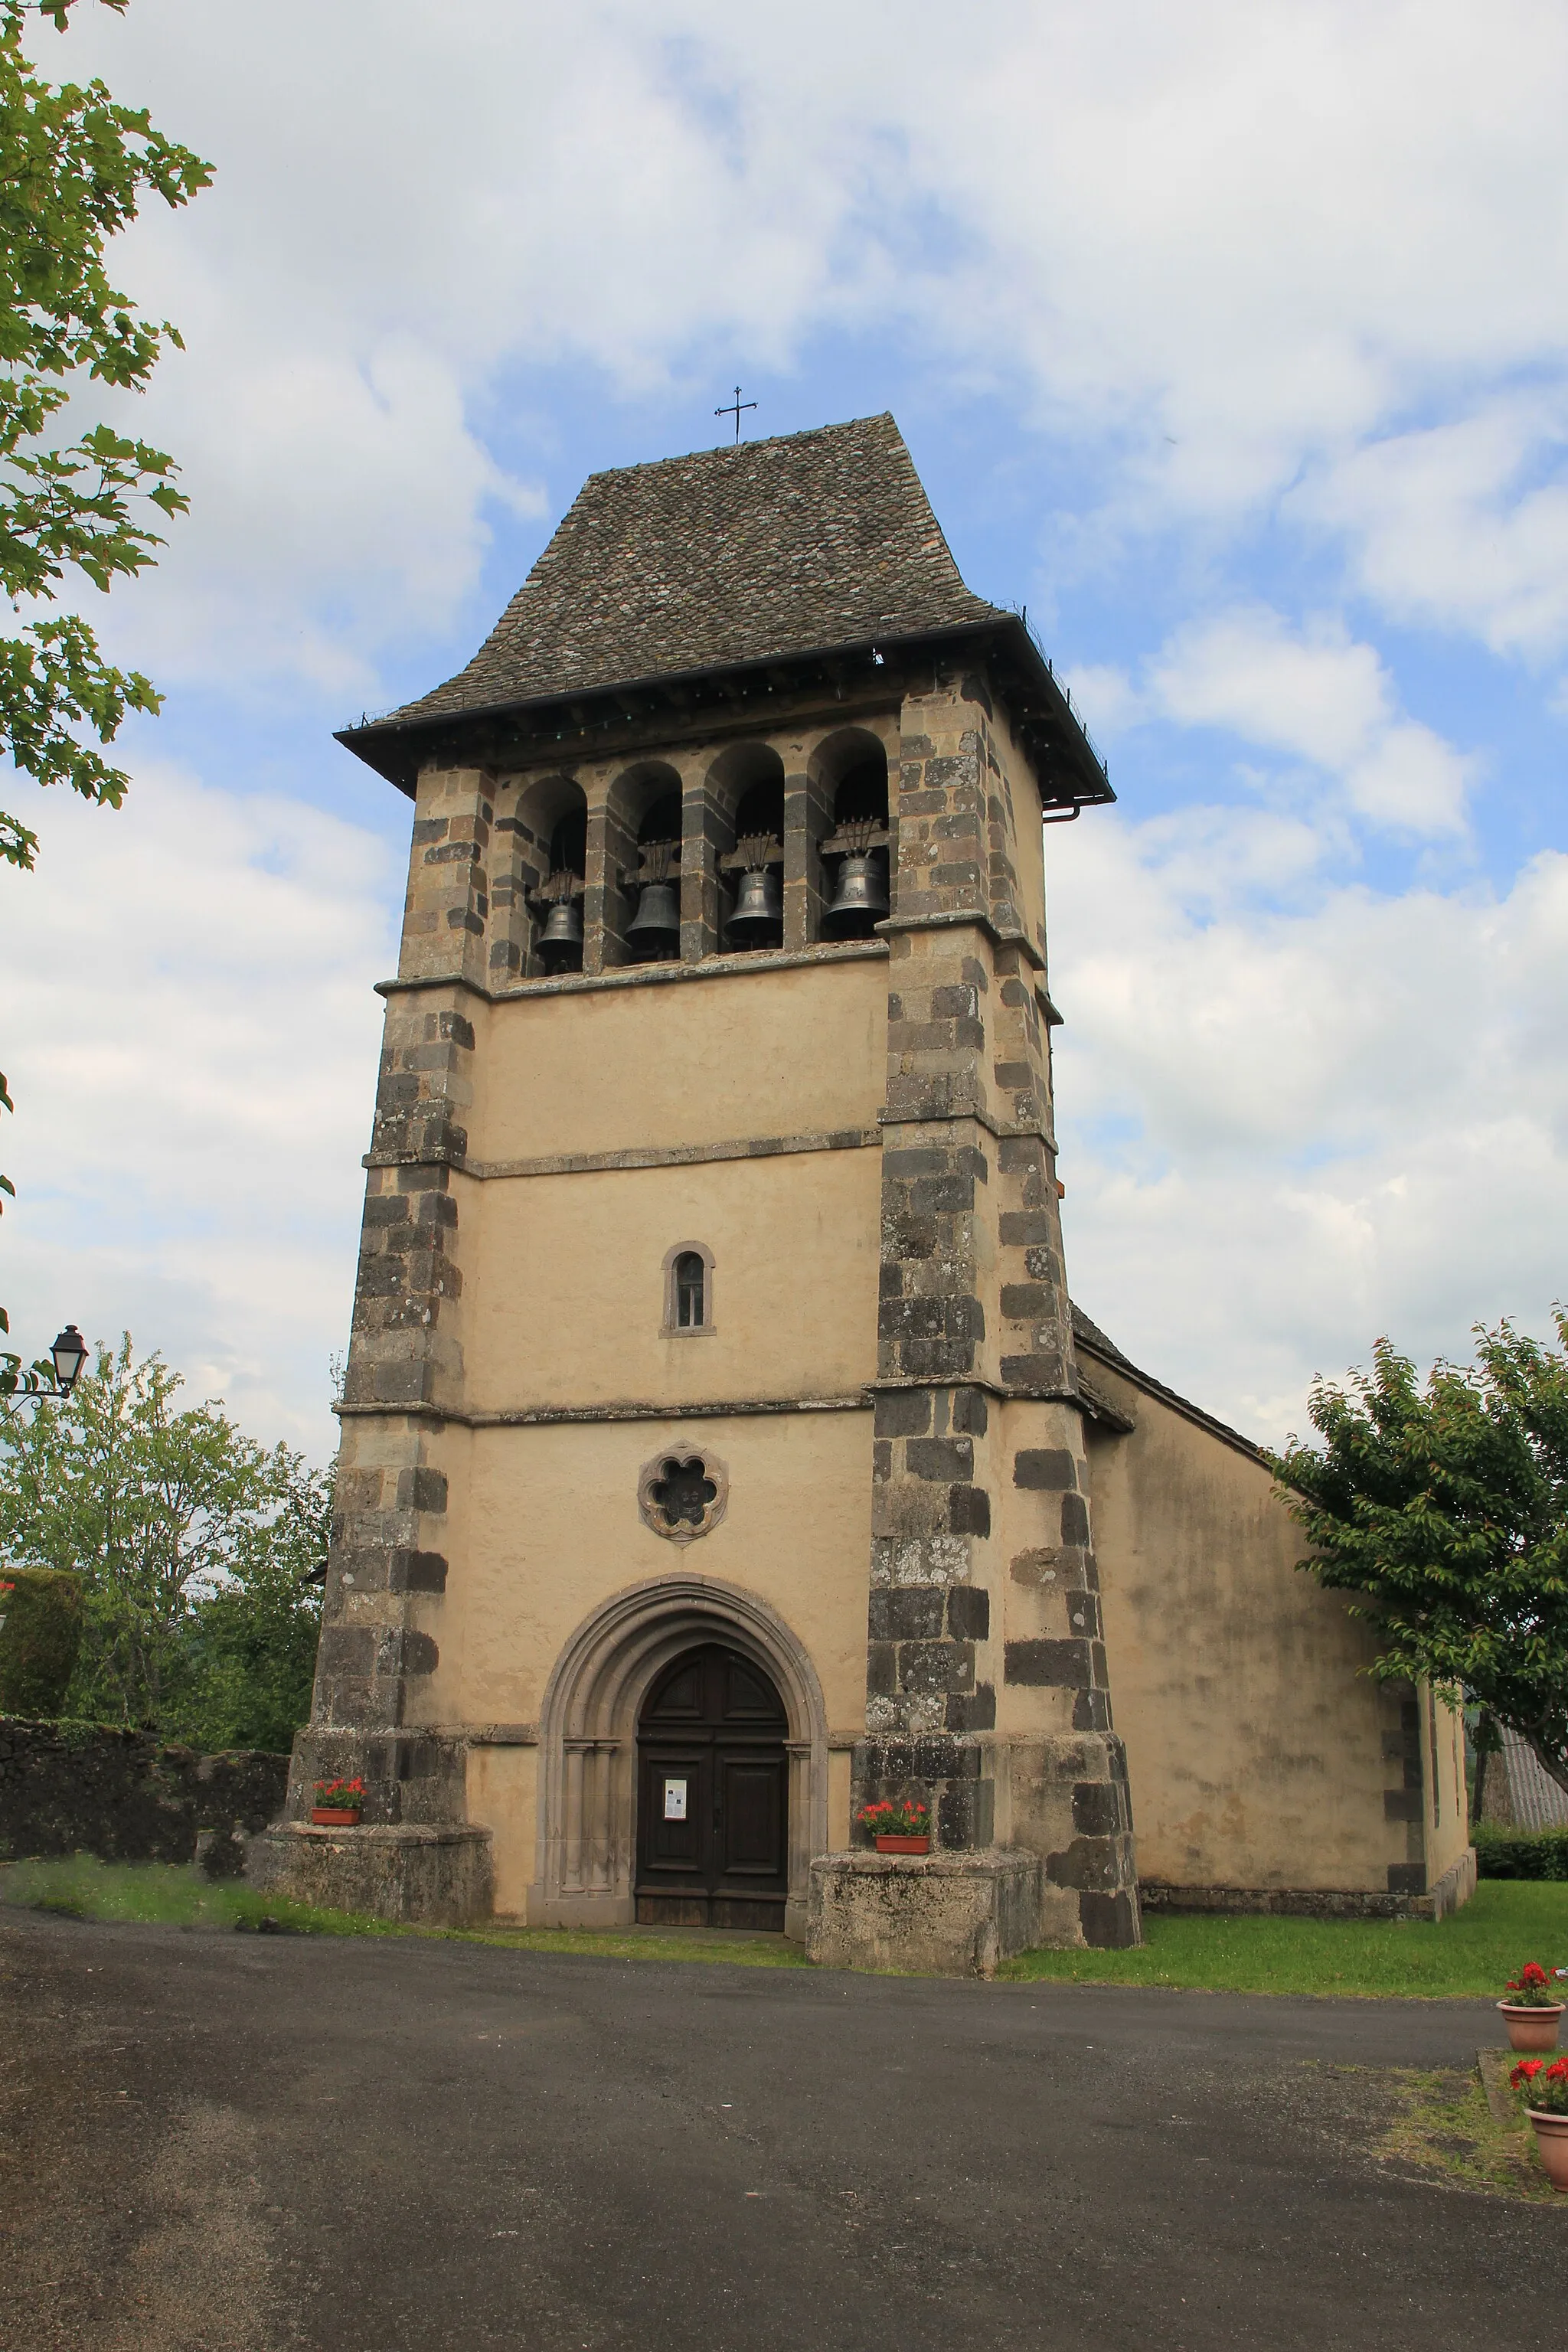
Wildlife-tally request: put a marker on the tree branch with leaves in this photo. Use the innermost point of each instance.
(1444, 1508)
(75, 166)
(196, 1547)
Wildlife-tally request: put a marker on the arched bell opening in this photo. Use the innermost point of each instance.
(713, 1783)
(858, 851)
(751, 868)
(590, 1726)
(553, 838)
(642, 860)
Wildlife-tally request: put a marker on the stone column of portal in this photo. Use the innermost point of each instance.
(381, 1625)
(975, 1369)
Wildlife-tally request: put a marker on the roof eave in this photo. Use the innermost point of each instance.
(391, 746)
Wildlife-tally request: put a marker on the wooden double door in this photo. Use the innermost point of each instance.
(713, 1795)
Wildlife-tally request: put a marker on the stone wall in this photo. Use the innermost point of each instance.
(125, 1796)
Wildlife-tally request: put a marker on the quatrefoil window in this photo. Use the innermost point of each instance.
(683, 1494)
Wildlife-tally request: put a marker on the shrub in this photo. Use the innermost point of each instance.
(39, 1639)
(1520, 1853)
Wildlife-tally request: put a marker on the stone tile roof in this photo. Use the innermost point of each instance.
(767, 548)
(1517, 1793)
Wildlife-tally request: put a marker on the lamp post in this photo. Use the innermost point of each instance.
(54, 1378)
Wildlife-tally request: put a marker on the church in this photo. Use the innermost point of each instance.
(721, 1450)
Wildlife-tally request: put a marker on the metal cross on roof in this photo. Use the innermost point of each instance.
(733, 407)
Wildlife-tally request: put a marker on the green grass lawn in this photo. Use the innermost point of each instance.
(1505, 1922)
(168, 1895)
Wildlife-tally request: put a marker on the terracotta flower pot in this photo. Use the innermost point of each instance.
(888, 1844)
(1531, 2028)
(333, 1817)
(1551, 2139)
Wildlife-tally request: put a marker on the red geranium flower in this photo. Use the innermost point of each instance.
(1532, 1987)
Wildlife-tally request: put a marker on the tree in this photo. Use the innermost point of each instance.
(75, 166)
(247, 1655)
(1445, 1509)
(195, 1546)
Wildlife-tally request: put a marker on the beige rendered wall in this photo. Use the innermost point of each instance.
(544, 1524)
(1261, 1754)
(1446, 1817)
(550, 1299)
(564, 1283)
(741, 1053)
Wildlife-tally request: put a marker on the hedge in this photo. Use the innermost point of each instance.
(1520, 1853)
(40, 1638)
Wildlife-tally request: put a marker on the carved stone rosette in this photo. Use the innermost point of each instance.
(682, 1493)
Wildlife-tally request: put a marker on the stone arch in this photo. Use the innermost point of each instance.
(643, 805)
(741, 792)
(739, 770)
(587, 1741)
(644, 792)
(847, 755)
(672, 1326)
(552, 833)
(854, 788)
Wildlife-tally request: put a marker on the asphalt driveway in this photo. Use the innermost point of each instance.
(226, 2143)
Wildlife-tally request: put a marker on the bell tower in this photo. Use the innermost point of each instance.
(712, 1348)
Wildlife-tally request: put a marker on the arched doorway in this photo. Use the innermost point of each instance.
(588, 1810)
(713, 1795)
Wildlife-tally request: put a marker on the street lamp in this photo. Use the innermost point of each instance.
(69, 1354)
(67, 1357)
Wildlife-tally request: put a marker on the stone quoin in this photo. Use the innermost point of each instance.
(721, 1450)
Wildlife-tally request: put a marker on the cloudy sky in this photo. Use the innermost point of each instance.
(1231, 339)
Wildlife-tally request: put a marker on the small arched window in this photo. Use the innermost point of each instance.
(688, 1289)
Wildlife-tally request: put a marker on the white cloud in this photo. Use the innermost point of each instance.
(191, 1036)
(1313, 695)
(1226, 256)
(1457, 524)
(1217, 247)
(1287, 1131)
(1105, 696)
(335, 509)
(1316, 694)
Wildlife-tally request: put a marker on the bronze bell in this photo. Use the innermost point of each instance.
(655, 929)
(562, 937)
(861, 898)
(758, 919)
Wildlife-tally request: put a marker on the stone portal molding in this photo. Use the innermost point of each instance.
(683, 1492)
(587, 1741)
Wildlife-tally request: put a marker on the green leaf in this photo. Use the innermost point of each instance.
(1443, 1510)
(194, 1544)
(75, 166)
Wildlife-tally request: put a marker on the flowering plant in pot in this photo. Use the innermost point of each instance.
(901, 1828)
(338, 1804)
(1544, 2089)
(1532, 2009)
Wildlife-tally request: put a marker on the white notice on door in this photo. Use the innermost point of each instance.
(675, 1801)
